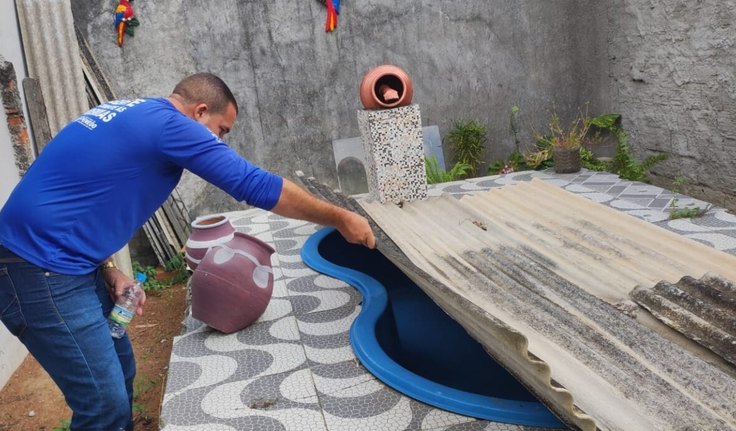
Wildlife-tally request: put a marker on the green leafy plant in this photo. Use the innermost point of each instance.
(568, 138)
(176, 264)
(64, 425)
(540, 158)
(686, 212)
(141, 386)
(514, 125)
(436, 175)
(467, 141)
(589, 161)
(623, 163)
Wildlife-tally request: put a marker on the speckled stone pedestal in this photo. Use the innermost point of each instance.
(392, 139)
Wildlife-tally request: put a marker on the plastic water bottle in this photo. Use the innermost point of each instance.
(124, 310)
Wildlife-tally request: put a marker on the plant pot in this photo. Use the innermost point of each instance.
(566, 160)
(386, 86)
(207, 232)
(233, 283)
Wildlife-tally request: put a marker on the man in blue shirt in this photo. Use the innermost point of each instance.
(94, 185)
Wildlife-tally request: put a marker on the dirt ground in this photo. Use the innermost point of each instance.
(30, 401)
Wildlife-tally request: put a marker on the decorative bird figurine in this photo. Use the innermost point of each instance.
(125, 20)
(333, 9)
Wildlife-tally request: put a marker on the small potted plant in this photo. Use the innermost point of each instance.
(566, 143)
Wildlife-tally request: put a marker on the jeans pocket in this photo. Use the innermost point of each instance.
(10, 312)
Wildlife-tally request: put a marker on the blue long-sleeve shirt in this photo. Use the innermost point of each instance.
(107, 172)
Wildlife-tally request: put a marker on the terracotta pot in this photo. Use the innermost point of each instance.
(233, 283)
(386, 86)
(207, 232)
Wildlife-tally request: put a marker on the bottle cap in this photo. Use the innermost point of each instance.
(140, 277)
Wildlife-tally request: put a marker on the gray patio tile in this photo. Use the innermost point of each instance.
(352, 399)
(296, 270)
(279, 287)
(293, 262)
(482, 426)
(260, 340)
(649, 214)
(325, 335)
(331, 379)
(580, 179)
(286, 246)
(622, 205)
(717, 218)
(277, 309)
(190, 373)
(597, 197)
(428, 418)
(641, 201)
(285, 401)
(488, 184)
(346, 384)
(578, 188)
(718, 241)
(616, 190)
(604, 177)
(460, 189)
(603, 188)
(660, 203)
(366, 407)
(686, 202)
(190, 324)
(642, 190)
(319, 293)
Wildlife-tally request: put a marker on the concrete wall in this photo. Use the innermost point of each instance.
(297, 86)
(666, 66)
(11, 351)
(673, 65)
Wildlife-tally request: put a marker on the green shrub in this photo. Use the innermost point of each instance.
(623, 163)
(64, 425)
(177, 263)
(684, 212)
(436, 175)
(467, 140)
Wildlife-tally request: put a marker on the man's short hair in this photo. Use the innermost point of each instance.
(206, 88)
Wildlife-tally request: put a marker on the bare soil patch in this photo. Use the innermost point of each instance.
(30, 401)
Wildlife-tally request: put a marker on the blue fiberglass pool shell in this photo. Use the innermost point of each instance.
(403, 338)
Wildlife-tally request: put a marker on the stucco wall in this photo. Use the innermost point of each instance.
(667, 67)
(12, 352)
(297, 86)
(673, 65)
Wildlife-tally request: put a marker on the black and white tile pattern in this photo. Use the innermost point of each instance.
(294, 368)
(394, 154)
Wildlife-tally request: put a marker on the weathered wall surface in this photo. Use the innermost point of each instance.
(297, 86)
(673, 65)
(12, 352)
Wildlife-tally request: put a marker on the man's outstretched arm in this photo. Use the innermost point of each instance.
(295, 202)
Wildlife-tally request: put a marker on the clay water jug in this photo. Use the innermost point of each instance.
(233, 283)
(386, 86)
(207, 232)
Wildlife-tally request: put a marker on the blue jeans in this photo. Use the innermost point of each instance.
(62, 320)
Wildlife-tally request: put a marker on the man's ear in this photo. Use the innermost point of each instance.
(199, 110)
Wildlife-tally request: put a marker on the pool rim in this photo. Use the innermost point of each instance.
(369, 352)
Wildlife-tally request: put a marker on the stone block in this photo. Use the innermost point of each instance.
(394, 154)
(350, 159)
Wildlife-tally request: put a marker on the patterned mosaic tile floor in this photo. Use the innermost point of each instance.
(294, 368)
